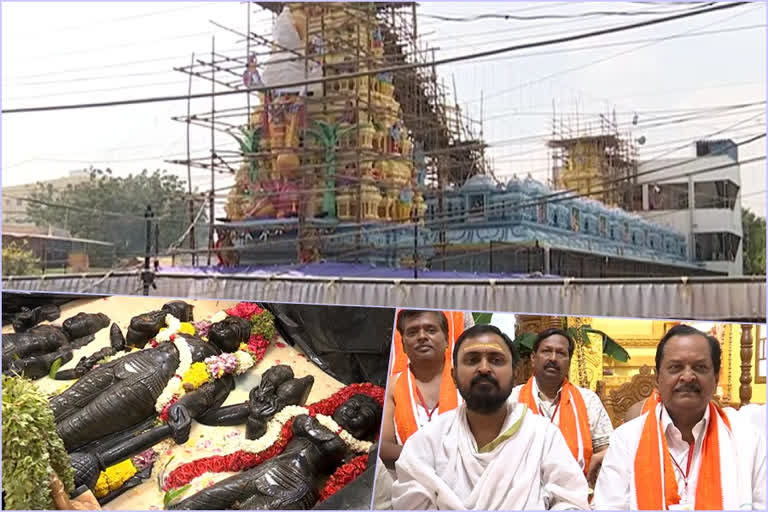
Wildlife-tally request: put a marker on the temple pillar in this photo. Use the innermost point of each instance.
(726, 371)
(745, 390)
(587, 361)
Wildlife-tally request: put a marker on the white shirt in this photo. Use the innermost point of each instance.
(614, 487)
(679, 450)
(441, 467)
(600, 425)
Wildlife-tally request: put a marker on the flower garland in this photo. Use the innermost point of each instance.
(115, 476)
(250, 453)
(238, 461)
(171, 392)
(190, 376)
(344, 475)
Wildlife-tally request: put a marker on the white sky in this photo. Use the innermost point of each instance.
(63, 53)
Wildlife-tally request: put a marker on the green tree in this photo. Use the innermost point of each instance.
(754, 243)
(329, 135)
(19, 260)
(111, 209)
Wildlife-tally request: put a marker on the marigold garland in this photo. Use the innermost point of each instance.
(196, 376)
(114, 477)
(344, 475)
(187, 328)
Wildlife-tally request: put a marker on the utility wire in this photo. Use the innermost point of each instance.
(101, 67)
(606, 58)
(489, 60)
(606, 45)
(588, 14)
(393, 69)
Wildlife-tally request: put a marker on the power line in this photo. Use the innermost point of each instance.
(534, 54)
(588, 14)
(610, 45)
(96, 49)
(560, 27)
(601, 60)
(100, 67)
(670, 119)
(133, 17)
(394, 69)
(178, 81)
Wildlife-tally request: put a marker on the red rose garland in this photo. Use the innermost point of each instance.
(344, 475)
(238, 461)
(329, 405)
(242, 460)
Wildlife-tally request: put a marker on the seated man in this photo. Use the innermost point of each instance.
(685, 453)
(577, 412)
(425, 389)
(489, 453)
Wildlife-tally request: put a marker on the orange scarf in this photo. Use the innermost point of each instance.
(570, 423)
(648, 467)
(651, 401)
(406, 401)
(455, 328)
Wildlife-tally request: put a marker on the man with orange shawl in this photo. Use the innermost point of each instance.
(685, 453)
(577, 412)
(489, 453)
(421, 387)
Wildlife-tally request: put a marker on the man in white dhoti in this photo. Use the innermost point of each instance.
(684, 452)
(487, 454)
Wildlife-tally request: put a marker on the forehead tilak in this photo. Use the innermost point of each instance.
(472, 347)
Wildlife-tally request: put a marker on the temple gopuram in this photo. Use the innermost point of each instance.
(352, 153)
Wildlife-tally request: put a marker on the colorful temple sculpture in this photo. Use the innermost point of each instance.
(341, 165)
(336, 149)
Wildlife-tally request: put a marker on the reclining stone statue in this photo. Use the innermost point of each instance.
(116, 419)
(32, 353)
(291, 480)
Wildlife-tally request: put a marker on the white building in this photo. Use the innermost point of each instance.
(701, 197)
(14, 200)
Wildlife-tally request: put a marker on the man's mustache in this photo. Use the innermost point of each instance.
(688, 388)
(484, 378)
(551, 364)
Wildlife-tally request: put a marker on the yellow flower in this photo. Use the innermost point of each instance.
(197, 375)
(114, 478)
(102, 486)
(187, 328)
